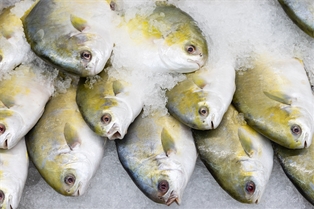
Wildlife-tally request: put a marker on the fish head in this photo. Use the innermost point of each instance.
(10, 192)
(186, 55)
(249, 185)
(113, 120)
(11, 125)
(82, 54)
(166, 183)
(9, 197)
(67, 173)
(292, 127)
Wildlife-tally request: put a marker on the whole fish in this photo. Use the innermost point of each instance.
(276, 100)
(109, 106)
(13, 45)
(298, 166)
(63, 148)
(201, 100)
(72, 35)
(239, 158)
(301, 13)
(23, 97)
(159, 154)
(13, 174)
(167, 40)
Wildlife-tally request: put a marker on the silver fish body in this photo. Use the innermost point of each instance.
(63, 148)
(239, 158)
(201, 100)
(276, 100)
(72, 35)
(159, 154)
(13, 174)
(110, 105)
(23, 97)
(301, 13)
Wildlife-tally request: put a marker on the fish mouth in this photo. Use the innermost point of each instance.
(115, 132)
(173, 198)
(6, 142)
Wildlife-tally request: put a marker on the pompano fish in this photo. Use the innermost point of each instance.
(301, 13)
(109, 106)
(23, 97)
(72, 35)
(13, 174)
(298, 166)
(159, 154)
(13, 45)
(276, 100)
(63, 148)
(201, 100)
(167, 40)
(239, 158)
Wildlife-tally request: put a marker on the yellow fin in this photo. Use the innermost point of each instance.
(279, 97)
(71, 136)
(246, 137)
(78, 23)
(117, 87)
(168, 143)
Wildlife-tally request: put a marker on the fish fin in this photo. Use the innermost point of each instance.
(279, 97)
(39, 35)
(246, 134)
(3, 106)
(71, 136)
(199, 81)
(117, 87)
(167, 142)
(78, 23)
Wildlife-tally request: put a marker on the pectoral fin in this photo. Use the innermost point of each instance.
(117, 87)
(78, 23)
(246, 137)
(279, 97)
(167, 142)
(71, 136)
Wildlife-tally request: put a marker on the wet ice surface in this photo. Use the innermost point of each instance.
(112, 188)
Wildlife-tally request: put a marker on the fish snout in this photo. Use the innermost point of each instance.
(115, 132)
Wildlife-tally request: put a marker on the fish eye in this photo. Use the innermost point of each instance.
(113, 5)
(250, 187)
(2, 196)
(2, 128)
(106, 118)
(203, 111)
(86, 55)
(296, 130)
(191, 49)
(69, 179)
(163, 186)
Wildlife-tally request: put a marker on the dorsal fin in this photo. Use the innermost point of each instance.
(71, 136)
(78, 23)
(168, 143)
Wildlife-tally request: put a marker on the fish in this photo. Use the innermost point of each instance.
(65, 151)
(23, 97)
(202, 99)
(72, 35)
(13, 174)
(301, 13)
(276, 100)
(159, 154)
(239, 158)
(13, 45)
(167, 40)
(109, 106)
(298, 166)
